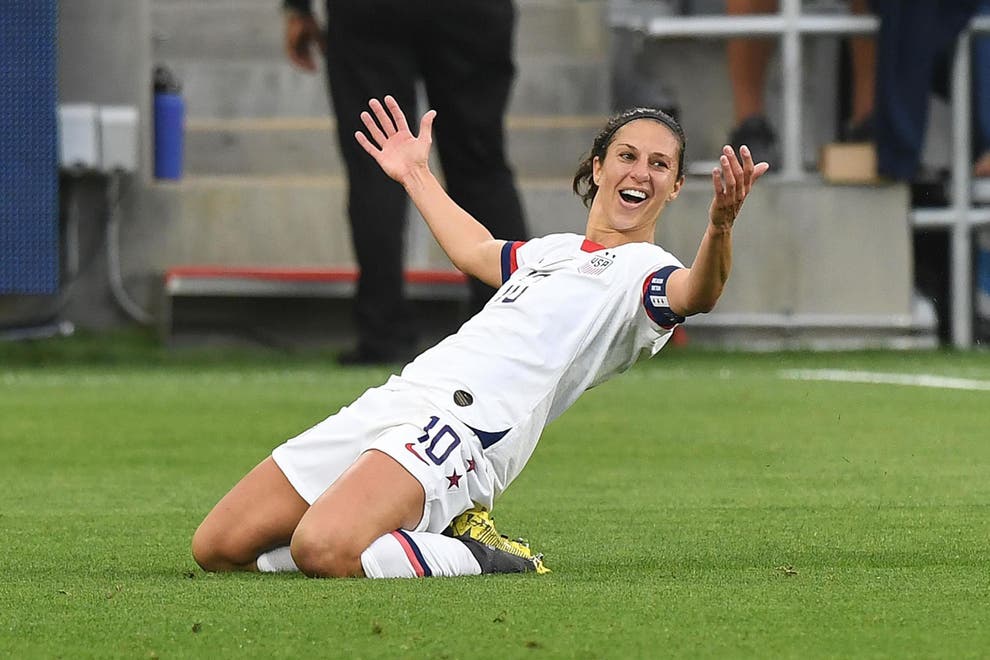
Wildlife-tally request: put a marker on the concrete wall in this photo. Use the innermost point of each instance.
(104, 58)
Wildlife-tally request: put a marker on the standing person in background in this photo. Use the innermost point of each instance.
(748, 60)
(915, 45)
(981, 100)
(462, 52)
(893, 77)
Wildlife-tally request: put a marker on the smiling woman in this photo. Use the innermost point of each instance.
(633, 158)
(584, 184)
(637, 177)
(399, 483)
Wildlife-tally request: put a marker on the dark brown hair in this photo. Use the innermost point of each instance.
(584, 183)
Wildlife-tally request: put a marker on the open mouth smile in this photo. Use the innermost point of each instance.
(633, 196)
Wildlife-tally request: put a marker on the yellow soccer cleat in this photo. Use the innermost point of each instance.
(477, 525)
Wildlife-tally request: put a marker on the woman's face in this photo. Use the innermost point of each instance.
(638, 175)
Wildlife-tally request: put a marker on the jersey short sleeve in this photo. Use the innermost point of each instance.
(655, 299)
(510, 258)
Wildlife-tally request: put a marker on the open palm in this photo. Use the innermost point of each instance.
(733, 182)
(393, 146)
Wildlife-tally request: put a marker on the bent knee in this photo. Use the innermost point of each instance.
(216, 553)
(323, 557)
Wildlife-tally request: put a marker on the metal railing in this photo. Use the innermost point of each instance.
(961, 216)
(791, 25)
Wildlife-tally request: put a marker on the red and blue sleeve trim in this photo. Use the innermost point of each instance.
(413, 554)
(509, 264)
(655, 299)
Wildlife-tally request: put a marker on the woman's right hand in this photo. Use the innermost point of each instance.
(393, 146)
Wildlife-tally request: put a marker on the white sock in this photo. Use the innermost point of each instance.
(418, 554)
(278, 560)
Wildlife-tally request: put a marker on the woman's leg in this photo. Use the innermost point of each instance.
(357, 528)
(357, 521)
(748, 60)
(372, 498)
(864, 71)
(259, 514)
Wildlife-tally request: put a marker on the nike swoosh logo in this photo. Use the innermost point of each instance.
(411, 446)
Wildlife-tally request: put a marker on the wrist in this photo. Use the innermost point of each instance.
(417, 178)
(717, 231)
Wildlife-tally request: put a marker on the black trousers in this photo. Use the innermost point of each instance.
(461, 52)
(915, 45)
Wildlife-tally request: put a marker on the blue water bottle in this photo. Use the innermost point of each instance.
(170, 118)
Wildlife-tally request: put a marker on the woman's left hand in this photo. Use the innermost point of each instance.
(733, 181)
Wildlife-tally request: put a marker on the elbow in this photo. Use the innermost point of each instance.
(705, 307)
(704, 299)
(470, 268)
(462, 265)
(701, 305)
(700, 308)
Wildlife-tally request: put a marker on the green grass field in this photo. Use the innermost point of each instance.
(700, 506)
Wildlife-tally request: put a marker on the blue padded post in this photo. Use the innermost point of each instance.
(28, 148)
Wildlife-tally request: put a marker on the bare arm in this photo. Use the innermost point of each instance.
(698, 288)
(405, 158)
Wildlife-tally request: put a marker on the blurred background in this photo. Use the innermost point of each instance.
(163, 165)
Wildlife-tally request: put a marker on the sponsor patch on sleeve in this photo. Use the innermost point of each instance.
(655, 299)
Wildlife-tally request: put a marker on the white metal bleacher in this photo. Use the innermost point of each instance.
(791, 24)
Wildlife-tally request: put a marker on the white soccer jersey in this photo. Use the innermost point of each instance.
(570, 315)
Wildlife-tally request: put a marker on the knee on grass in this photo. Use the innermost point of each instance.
(325, 556)
(218, 552)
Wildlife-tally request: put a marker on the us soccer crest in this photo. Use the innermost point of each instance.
(596, 265)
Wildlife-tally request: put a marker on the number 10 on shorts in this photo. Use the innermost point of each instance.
(441, 443)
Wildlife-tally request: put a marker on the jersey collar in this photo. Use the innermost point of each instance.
(591, 246)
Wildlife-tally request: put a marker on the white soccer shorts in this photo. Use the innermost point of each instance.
(442, 454)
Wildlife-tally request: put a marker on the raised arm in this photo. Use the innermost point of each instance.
(698, 288)
(405, 158)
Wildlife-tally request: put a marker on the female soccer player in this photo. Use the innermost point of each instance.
(398, 484)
